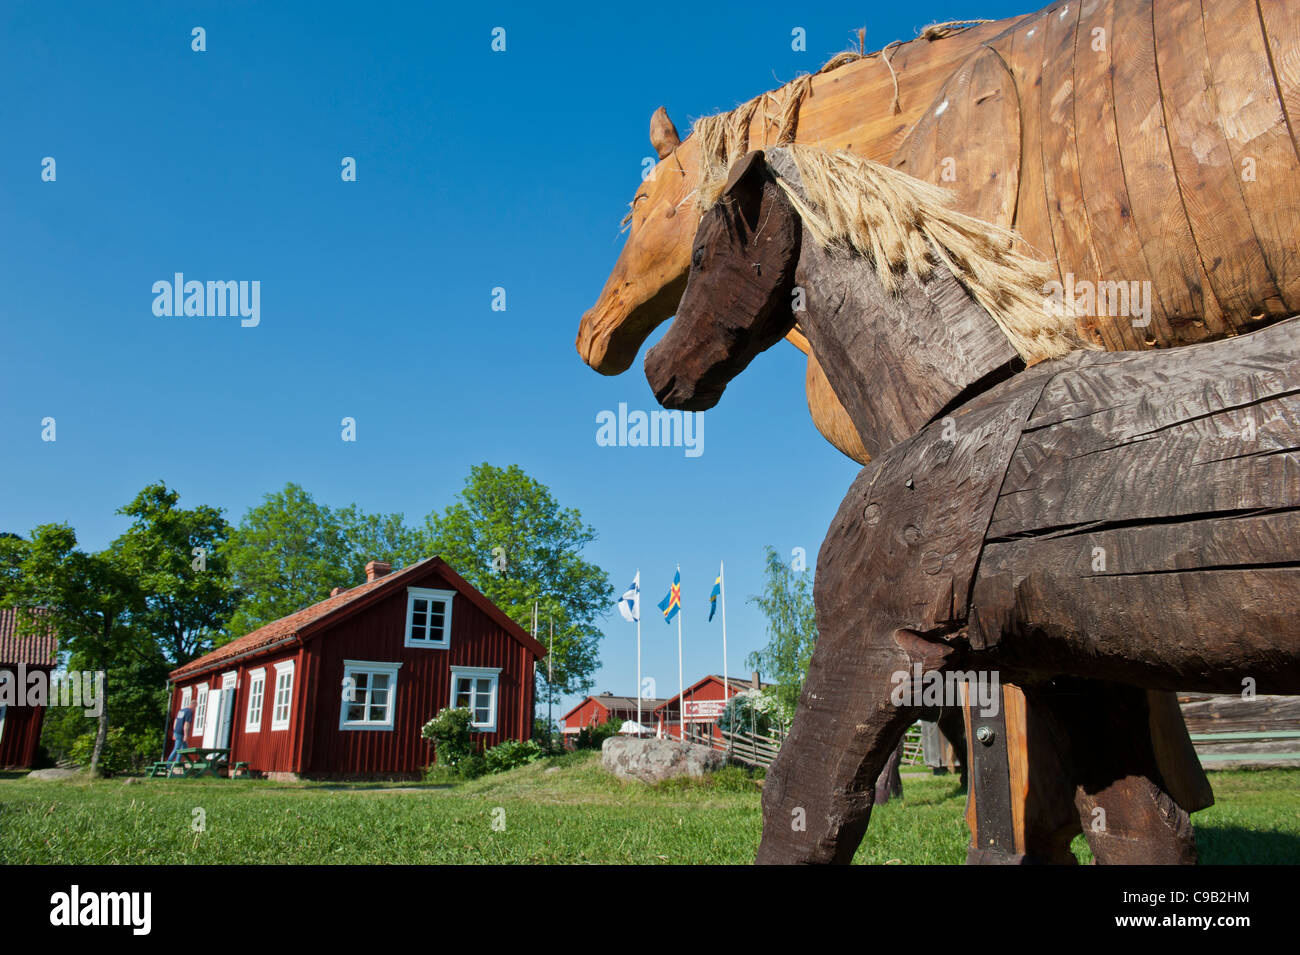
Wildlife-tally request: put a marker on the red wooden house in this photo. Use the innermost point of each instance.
(595, 710)
(21, 656)
(343, 687)
(705, 702)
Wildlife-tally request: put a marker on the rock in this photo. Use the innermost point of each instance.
(54, 775)
(132, 781)
(550, 769)
(654, 760)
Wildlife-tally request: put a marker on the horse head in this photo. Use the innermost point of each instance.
(738, 298)
(647, 280)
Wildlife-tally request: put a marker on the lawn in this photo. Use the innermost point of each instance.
(563, 811)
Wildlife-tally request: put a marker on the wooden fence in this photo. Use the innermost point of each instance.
(1229, 732)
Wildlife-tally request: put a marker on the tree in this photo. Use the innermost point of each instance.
(507, 535)
(787, 602)
(88, 599)
(289, 552)
(176, 557)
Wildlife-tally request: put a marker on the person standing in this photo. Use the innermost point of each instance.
(180, 727)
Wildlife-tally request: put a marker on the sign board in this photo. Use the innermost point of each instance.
(704, 711)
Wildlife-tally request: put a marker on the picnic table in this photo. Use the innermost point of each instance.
(203, 760)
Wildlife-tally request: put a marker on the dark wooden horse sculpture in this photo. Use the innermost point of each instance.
(1085, 528)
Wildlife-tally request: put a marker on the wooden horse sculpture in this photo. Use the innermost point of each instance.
(1142, 139)
(1092, 525)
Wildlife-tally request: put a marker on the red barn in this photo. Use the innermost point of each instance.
(705, 702)
(21, 656)
(343, 687)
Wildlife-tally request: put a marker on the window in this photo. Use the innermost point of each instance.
(185, 697)
(201, 709)
(428, 617)
(369, 695)
(475, 689)
(283, 695)
(256, 693)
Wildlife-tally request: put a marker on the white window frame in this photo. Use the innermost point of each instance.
(352, 667)
(427, 593)
(256, 692)
(185, 696)
(474, 673)
(200, 709)
(6, 676)
(283, 668)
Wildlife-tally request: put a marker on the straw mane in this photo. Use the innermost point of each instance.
(724, 137)
(905, 226)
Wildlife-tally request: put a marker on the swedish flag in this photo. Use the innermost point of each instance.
(713, 596)
(671, 604)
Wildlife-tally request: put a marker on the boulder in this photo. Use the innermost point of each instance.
(53, 775)
(654, 760)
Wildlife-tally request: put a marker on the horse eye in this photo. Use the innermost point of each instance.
(697, 259)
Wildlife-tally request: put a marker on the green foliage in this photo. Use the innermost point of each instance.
(511, 753)
(451, 735)
(116, 755)
(507, 535)
(787, 602)
(593, 736)
(289, 552)
(175, 557)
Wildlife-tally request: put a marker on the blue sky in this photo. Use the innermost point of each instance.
(475, 170)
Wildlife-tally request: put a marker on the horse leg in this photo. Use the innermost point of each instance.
(819, 791)
(1128, 815)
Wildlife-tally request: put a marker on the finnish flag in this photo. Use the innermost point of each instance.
(629, 605)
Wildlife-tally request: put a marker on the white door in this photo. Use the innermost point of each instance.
(217, 702)
(228, 683)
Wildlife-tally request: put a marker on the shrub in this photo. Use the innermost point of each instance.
(593, 737)
(116, 756)
(449, 732)
(749, 712)
(510, 754)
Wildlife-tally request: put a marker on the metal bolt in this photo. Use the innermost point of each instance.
(985, 735)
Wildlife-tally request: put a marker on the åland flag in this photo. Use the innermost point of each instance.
(713, 596)
(671, 604)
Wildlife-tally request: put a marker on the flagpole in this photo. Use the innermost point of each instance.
(638, 648)
(681, 693)
(722, 582)
(550, 685)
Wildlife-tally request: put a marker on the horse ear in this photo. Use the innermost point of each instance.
(663, 134)
(744, 188)
(746, 176)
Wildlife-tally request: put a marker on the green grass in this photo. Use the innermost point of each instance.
(576, 813)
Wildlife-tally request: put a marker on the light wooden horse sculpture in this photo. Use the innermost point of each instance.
(1035, 524)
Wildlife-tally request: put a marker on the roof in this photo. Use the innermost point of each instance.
(737, 686)
(37, 649)
(610, 702)
(297, 627)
